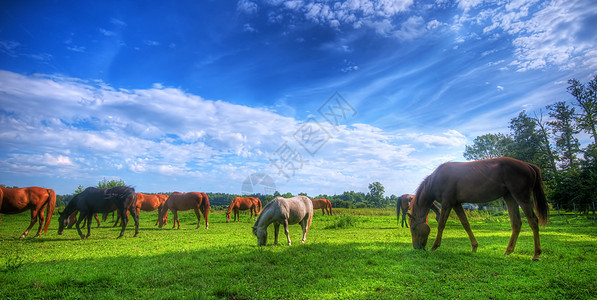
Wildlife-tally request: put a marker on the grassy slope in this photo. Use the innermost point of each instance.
(372, 259)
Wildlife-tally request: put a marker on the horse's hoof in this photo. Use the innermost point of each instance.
(119, 236)
(22, 236)
(536, 257)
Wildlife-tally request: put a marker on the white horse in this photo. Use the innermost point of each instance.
(284, 211)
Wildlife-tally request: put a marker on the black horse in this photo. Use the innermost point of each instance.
(93, 200)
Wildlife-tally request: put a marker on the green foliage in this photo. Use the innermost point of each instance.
(107, 184)
(488, 146)
(375, 196)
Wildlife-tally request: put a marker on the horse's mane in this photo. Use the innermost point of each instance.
(264, 210)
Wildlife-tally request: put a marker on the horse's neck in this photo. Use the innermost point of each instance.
(421, 206)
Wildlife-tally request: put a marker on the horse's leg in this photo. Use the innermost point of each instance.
(206, 217)
(40, 217)
(33, 221)
(97, 220)
(176, 219)
(125, 219)
(286, 231)
(534, 223)
(89, 216)
(198, 217)
(276, 231)
(237, 215)
(117, 218)
(305, 230)
(443, 218)
(82, 217)
(515, 221)
(135, 213)
(464, 221)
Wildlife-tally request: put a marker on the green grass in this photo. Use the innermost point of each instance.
(356, 254)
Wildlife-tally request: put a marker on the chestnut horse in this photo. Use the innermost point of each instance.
(185, 201)
(403, 204)
(93, 200)
(252, 204)
(285, 211)
(324, 204)
(147, 203)
(454, 183)
(72, 219)
(36, 199)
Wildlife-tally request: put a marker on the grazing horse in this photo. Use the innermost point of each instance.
(93, 200)
(185, 201)
(403, 204)
(324, 204)
(247, 203)
(286, 211)
(146, 203)
(36, 199)
(454, 183)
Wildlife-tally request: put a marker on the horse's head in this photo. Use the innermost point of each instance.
(261, 234)
(62, 220)
(419, 230)
(228, 217)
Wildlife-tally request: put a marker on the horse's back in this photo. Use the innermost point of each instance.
(297, 208)
(18, 200)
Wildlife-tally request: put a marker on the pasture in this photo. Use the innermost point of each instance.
(356, 254)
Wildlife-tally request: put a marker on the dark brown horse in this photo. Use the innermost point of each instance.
(185, 201)
(36, 199)
(324, 204)
(252, 204)
(93, 200)
(403, 204)
(454, 183)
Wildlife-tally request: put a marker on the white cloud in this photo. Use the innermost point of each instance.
(246, 6)
(91, 129)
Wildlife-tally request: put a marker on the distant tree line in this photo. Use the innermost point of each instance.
(551, 142)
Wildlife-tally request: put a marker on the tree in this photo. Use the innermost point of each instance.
(488, 146)
(564, 129)
(105, 184)
(586, 96)
(375, 196)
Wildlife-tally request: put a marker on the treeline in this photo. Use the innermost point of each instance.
(551, 141)
(218, 201)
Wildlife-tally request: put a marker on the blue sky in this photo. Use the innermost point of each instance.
(322, 96)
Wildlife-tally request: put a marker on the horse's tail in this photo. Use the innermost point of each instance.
(205, 203)
(259, 202)
(329, 203)
(539, 197)
(50, 211)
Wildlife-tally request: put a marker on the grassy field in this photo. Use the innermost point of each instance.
(357, 254)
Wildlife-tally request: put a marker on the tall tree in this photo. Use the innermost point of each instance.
(564, 129)
(586, 96)
(488, 146)
(544, 135)
(375, 196)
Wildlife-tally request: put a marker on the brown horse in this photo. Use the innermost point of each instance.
(324, 204)
(252, 204)
(403, 204)
(147, 203)
(72, 219)
(454, 183)
(36, 199)
(185, 201)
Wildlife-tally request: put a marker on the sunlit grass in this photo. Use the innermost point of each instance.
(372, 258)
